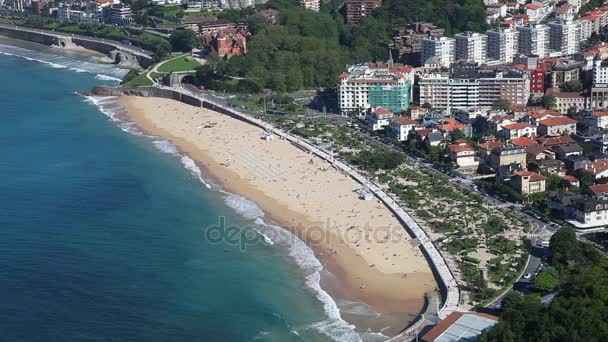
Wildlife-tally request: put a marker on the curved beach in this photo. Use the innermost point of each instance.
(360, 242)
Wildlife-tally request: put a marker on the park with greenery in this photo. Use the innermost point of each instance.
(579, 311)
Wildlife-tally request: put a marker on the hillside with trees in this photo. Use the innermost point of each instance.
(309, 49)
(578, 313)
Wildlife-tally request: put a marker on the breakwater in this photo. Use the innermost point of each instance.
(122, 54)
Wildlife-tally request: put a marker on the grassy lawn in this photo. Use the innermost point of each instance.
(140, 81)
(247, 103)
(179, 64)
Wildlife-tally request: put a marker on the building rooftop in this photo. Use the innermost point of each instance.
(599, 189)
(522, 141)
(517, 125)
(557, 121)
(460, 326)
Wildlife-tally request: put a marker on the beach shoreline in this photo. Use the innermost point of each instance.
(390, 276)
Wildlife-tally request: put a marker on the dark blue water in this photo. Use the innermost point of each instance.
(102, 235)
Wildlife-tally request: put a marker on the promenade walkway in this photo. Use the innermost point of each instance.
(452, 293)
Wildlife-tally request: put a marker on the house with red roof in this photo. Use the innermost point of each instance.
(527, 182)
(400, 128)
(598, 190)
(522, 142)
(379, 118)
(463, 155)
(599, 119)
(557, 126)
(550, 141)
(486, 148)
(518, 129)
(451, 124)
(598, 168)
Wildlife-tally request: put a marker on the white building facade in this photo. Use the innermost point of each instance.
(443, 49)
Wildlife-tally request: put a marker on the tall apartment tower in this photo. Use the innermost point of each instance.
(356, 9)
(471, 47)
(502, 44)
(441, 48)
(313, 5)
(534, 40)
(565, 36)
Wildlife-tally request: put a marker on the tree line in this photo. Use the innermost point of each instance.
(578, 313)
(307, 49)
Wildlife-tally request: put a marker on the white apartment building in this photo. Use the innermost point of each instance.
(468, 88)
(442, 48)
(534, 40)
(471, 47)
(502, 44)
(565, 36)
(364, 86)
(237, 4)
(313, 5)
(64, 13)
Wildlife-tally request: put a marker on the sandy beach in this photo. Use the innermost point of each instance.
(358, 241)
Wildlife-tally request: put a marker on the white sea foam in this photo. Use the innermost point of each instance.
(334, 326)
(58, 61)
(243, 206)
(191, 166)
(107, 78)
(166, 146)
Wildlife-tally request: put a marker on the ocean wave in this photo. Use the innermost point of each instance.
(243, 206)
(166, 146)
(58, 61)
(191, 166)
(107, 78)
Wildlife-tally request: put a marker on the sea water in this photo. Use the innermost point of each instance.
(104, 231)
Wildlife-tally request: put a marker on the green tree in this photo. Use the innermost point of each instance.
(585, 178)
(183, 40)
(547, 280)
(549, 101)
(573, 86)
(502, 104)
(129, 76)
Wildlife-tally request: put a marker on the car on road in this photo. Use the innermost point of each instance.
(527, 276)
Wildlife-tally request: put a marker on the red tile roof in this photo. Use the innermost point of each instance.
(598, 166)
(517, 125)
(343, 75)
(554, 141)
(382, 111)
(598, 114)
(452, 126)
(491, 145)
(522, 142)
(557, 121)
(534, 177)
(532, 6)
(599, 189)
(455, 148)
(404, 121)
